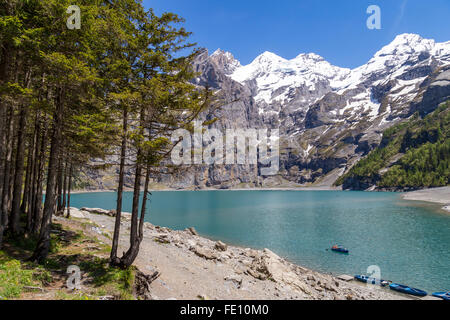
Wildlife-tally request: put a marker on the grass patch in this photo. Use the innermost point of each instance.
(71, 244)
(15, 275)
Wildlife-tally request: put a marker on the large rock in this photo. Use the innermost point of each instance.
(221, 246)
(99, 211)
(268, 266)
(76, 213)
(192, 231)
(205, 253)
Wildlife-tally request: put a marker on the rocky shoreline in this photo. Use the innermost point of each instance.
(194, 267)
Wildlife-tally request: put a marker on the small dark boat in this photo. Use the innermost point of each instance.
(442, 295)
(370, 280)
(339, 249)
(408, 290)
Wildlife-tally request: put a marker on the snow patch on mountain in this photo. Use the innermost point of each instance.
(273, 73)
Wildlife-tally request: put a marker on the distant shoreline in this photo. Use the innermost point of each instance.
(439, 196)
(433, 195)
(213, 189)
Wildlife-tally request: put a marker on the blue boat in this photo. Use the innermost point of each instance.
(442, 295)
(370, 280)
(339, 249)
(408, 290)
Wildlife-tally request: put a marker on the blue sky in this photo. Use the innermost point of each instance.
(334, 29)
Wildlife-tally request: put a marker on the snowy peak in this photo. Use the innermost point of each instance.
(225, 61)
(267, 58)
(407, 44)
(276, 78)
(309, 57)
(405, 52)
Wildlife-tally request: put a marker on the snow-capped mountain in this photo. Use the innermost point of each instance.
(329, 117)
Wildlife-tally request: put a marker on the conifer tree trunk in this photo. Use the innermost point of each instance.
(3, 114)
(43, 247)
(37, 212)
(59, 182)
(135, 239)
(28, 203)
(129, 257)
(69, 190)
(144, 204)
(7, 168)
(64, 202)
(123, 152)
(18, 178)
(28, 173)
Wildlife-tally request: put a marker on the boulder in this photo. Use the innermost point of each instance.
(75, 213)
(126, 216)
(268, 266)
(192, 231)
(163, 238)
(220, 246)
(99, 211)
(235, 280)
(311, 278)
(205, 253)
(148, 225)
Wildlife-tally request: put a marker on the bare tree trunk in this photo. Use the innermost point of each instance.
(43, 246)
(123, 151)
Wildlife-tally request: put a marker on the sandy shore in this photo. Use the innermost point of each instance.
(435, 195)
(193, 267)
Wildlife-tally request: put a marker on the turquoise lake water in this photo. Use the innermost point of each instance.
(409, 241)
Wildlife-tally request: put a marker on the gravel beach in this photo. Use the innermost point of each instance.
(193, 267)
(435, 195)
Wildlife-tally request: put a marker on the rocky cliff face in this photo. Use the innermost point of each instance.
(328, 117)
